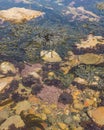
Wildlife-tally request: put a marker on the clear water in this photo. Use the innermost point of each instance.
(21, 45)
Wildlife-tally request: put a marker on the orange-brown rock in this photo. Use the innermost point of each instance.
(97, 115)
(33, 99)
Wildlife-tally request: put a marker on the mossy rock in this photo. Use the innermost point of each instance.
(90, 58)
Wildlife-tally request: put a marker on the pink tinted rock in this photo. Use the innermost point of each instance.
(50, 94)
(29, 68)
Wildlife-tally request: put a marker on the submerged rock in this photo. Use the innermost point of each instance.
(7, 67)
(50, 56)
(32, 69)
(13, 120)
(90, 58)
(71, 61)
(97, 115)
(80, 14)
(89, 52)
(80, 81)
(18, 15)
(91, 42)
(87, 59)
(22, 106)
(4, 82)
(4, 114)
(62, 126)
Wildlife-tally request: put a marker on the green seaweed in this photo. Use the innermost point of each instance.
(88, 72)
(66, 79)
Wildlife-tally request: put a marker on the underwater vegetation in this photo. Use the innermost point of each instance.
(66, 79)
(23, 42)
(89, 73)
(52, 75)
(53, 100)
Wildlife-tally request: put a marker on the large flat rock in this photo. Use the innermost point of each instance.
(18, 15)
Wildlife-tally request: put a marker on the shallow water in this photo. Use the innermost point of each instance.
(52, 68)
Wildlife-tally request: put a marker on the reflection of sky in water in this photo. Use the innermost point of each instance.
(17, 1)
(13, 3)
(54, 13)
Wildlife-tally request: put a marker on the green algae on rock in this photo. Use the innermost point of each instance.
(90, 58)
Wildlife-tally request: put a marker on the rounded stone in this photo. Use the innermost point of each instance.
(7, 67)
(50, 56)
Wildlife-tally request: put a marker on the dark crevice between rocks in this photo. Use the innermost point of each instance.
(31, 121)
(101, 103)
(79, 86)
(98, 49)
(83, 86)
(12, 127)
(51, 67)
(12, 87)
(18, 97)
(53, 82)
(29, 80)
(90, 125)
